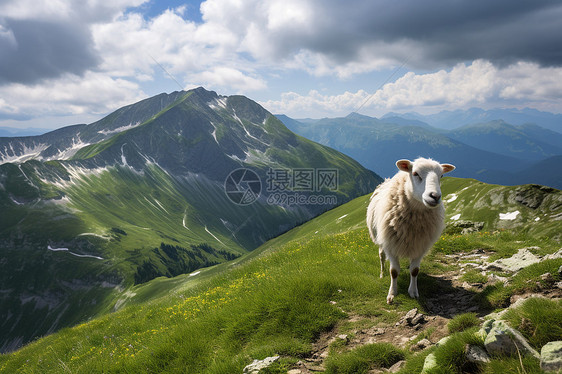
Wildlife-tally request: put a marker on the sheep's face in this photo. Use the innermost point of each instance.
(425, 176)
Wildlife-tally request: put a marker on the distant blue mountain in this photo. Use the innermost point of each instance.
(493, 151)
(457, 118)
(15, 131)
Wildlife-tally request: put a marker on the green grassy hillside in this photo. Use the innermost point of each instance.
(285, 298)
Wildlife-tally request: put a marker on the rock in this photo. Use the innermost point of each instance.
(476, 355)
(417, 319)
(518, 261)
(503, 339)
(443, 341)
(343, 337)
(257, 365)
(397, 366)
(410, 315)
(486, 328)
(374, 331)
(421, 345)
(467, 226)
(551, 356)
(429, 364)
(554, 256)
(532, 195)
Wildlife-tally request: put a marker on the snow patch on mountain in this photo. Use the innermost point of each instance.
(509, 216)
(219, 102)
(9, 154)
(72, 253)
(119, 129)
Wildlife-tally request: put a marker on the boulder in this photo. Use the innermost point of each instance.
(551, 357)
(476, 355)
(518, 261)
(429, 364)
(397, 367)
(505, 340)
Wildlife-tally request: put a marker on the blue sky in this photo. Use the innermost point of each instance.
(68, 61)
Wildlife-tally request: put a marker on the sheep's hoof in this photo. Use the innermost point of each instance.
(381, 276)
(414, 294)
(389, 299)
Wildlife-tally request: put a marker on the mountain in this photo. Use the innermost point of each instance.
(377, 144)
(495, 152)
(13, 131)
(457, 118)
(313, 296)
(527, 142)
(546, 172)
(161, 187)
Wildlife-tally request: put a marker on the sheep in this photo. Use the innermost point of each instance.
(405, 217)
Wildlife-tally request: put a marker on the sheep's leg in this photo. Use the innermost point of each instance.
(382, 257)
(394, 271)
(414, 270)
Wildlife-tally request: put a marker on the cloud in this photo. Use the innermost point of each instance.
(477, 84)
(362, 36)
(94, 93)
(223, 78)
(488, 52)
(49, 38)
(35, 50)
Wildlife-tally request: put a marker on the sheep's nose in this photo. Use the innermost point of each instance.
(435, 196)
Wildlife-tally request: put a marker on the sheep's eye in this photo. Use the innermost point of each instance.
(415, 174)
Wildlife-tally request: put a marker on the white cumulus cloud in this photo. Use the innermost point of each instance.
(466, 85)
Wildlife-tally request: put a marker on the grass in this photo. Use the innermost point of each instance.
(474, 276)
(527, 280)
(539, 320)
(451, 357)
(462, 322)
(278, 304)
(362, 359)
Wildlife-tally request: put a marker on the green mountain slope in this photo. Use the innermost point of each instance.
(143, 194)
(315, 281)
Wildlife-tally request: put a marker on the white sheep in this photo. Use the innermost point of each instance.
(406, 217)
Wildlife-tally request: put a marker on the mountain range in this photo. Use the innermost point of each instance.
(452, 119)
(161, 187)
(494, 151)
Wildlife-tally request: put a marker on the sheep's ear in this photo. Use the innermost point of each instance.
(447, 168)
(404, 165)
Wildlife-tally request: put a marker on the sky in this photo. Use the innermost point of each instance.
(64, 62)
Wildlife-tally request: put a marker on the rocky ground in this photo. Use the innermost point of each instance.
(417, 331)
